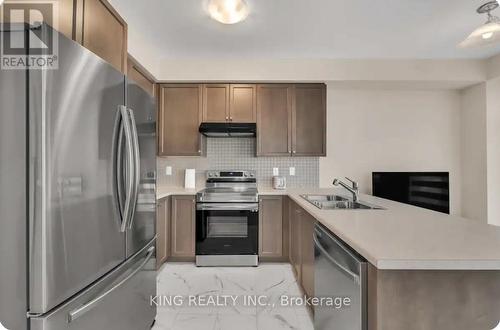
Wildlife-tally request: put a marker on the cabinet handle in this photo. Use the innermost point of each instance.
(227, 118)
(230, 118)
(294, 151)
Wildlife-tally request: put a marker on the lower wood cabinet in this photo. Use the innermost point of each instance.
(295, 213)
(183, 226)
(307, 253)
(162, 231)
(302, 247)
(271, 226)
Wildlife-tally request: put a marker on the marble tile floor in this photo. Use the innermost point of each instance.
(191, 298)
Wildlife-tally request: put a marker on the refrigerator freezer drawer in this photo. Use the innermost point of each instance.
(119, 301)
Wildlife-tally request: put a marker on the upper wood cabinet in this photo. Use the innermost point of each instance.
(66, 18)
(65, 11)
(216, 103)
(271, 226)
(229, 103)
(141, 76)
(180, 117)
(291, 120)
(274, 105)
(309, 120)
(103, 31)
(183, 226)
(243, 103)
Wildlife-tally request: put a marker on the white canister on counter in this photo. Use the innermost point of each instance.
(279, 182)
(190, 178)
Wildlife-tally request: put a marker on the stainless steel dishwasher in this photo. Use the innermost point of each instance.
(340, 273)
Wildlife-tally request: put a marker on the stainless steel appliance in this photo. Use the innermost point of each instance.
(339, 273)
(227, 220)
(228, 129)
(77, 181)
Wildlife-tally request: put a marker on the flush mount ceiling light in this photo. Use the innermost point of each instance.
(486, 34)
(228, 11)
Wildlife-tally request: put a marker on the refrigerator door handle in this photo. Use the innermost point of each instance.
(77, 313)
(117, 152)
(137, 167)
(130, 167)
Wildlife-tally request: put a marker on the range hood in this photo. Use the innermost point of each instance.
(228, 129)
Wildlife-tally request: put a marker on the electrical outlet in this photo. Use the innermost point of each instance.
(276, 171)
(292, 171)
(168, 170)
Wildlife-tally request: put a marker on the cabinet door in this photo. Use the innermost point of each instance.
(103, 31)
(307, 253)
(243, 103)
(295, 237)
(162, 231)
(309, 120)
(183, 222)
(180, 117)
(216, 103)
(63, 23)
(140, 75)
(274, 120)
(271, 226)
(66, 17)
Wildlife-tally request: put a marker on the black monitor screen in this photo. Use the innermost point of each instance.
(430, 190)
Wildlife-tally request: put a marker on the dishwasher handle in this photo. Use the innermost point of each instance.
(344, 269)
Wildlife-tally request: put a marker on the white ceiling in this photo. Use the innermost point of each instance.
(368, 29)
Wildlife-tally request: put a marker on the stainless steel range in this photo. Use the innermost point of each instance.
(227, 219)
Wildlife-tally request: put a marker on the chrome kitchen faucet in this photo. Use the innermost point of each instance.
(354, 190)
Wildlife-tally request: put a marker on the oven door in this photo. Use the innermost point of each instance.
(227, 228)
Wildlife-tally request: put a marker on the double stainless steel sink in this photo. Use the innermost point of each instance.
(336, 202)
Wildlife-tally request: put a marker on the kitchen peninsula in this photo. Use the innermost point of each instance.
(421, 263)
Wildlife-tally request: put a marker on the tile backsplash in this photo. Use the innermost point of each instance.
(239, 154)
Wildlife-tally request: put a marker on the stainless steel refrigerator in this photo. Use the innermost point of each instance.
(77, 195)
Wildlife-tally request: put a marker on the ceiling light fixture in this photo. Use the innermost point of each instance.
(486, 34)
(228, 11)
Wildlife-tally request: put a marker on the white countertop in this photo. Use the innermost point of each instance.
(163, 192)
(402, 236)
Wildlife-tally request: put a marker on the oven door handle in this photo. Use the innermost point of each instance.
(254, 207)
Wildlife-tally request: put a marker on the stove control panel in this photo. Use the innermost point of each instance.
(230, 174)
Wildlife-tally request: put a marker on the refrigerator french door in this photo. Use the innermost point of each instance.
(142, 110)
(78, 231)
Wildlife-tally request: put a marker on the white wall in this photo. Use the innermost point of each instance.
(493, 149)
(473, 153)
(392, 130)
(493, 67)
(455, 73)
